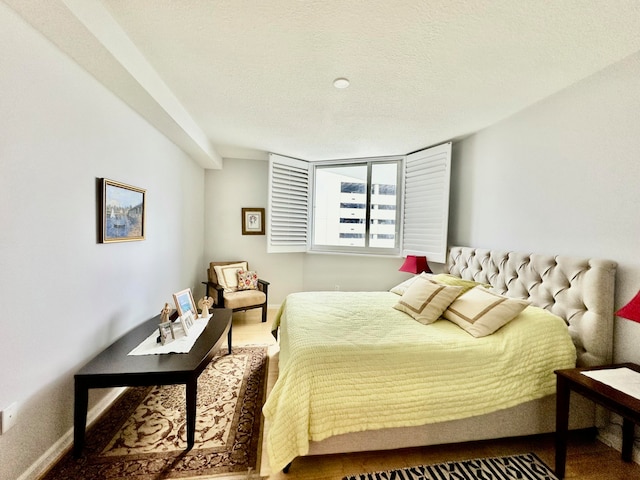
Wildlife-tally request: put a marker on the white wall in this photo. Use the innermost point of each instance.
(244, 183)
(561, 177)
(64, 296)
(353, 273)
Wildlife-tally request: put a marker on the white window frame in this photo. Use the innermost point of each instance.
(425, 189)
(364, 250)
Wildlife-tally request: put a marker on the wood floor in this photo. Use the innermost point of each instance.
(587, 458)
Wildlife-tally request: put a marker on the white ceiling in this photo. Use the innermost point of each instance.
(239, 78)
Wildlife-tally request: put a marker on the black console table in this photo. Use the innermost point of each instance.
(115, 368)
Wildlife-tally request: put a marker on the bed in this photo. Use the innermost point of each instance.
(358, 373)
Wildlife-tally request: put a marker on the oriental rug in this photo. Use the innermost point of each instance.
(142, 436)
(516, 467)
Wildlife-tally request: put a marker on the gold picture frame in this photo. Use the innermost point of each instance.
(253, 221)
(122, 212)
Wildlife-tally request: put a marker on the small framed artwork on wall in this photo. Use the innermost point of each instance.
(122, 212)
(253, 221)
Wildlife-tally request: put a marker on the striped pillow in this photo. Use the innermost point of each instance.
(425, 300)
(228, 275)
(481, 312)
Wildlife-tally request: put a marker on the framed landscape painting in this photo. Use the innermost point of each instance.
(123, 212)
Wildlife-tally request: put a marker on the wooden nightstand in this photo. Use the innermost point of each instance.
(618, 402)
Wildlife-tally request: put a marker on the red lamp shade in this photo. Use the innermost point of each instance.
(631, 310)
(415, 264)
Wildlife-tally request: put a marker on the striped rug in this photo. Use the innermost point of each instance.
(516, 467)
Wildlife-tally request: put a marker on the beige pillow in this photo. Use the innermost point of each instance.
(448, 279)
(228, 275)
(425, 300)
(481, 312)
(402, 287)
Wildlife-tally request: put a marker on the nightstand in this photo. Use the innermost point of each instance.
(614, 400)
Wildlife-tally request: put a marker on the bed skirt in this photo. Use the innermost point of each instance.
(531, 418)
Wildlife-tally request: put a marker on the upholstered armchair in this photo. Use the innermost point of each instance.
(233, 285)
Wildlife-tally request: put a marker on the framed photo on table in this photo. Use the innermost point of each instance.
(186, 320)
(185, 303)
(253, 221)
(166, 330)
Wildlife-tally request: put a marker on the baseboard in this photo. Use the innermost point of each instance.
(53, 454)
(611, 435)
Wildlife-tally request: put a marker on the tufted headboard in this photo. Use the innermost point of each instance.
(578, 290)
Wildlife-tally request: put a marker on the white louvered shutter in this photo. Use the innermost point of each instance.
(426, 205)
(288, 215)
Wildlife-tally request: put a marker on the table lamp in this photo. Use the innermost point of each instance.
(415, 264)
(631, 311)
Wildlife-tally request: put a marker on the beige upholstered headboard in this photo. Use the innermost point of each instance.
(578, 290)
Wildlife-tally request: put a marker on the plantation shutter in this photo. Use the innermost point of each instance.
(288, 213)
(426, 205)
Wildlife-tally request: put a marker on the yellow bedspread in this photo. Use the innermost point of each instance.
(350, 362)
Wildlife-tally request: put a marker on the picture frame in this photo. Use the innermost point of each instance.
(186, 320)
(185, 303)
(189, 319)
(253, 221)
(122, 212)
(166, 329)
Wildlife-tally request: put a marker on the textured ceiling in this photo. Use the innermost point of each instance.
(236, 78)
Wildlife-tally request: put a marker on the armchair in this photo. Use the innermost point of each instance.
(222, 287)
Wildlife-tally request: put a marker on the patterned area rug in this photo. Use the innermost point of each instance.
(143, 435)
(517, 467)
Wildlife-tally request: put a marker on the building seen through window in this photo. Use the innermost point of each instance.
(345, 199)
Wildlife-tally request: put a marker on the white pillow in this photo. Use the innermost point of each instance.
(402, 287)
(425, 300)
(481, 312)
(228, 275)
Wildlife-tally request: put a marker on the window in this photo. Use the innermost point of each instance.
(387, 189)
(355, 206)
(387, 206)
(350, 187)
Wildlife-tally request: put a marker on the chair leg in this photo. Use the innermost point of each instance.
(264, 313)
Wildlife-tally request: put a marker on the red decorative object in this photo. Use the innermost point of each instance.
(631, 311)
(415, 264)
